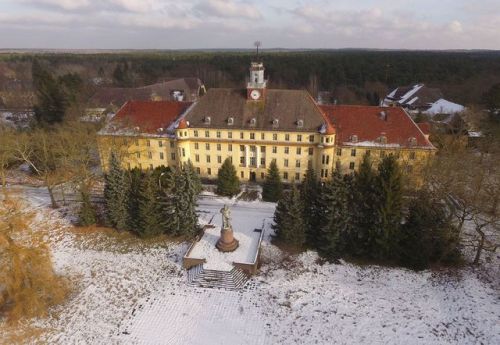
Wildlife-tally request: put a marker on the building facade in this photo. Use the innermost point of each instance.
(255, 126)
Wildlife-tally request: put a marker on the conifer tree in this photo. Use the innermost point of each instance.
(310, 194)
(193, 177)
(150, 216)
(337, 220)
(289, 224)
(134, 177)
(86, 215)
(116, 194)
(228, 183)
(365, 218)
(272, 189)
(390, 191)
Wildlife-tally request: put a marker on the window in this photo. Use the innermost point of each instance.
(151, 167)
(218, 134)
(195, 133)
(219, 159)
(263, 162)
(242, 148)
(128, 166)
(148, 143)
(196, 146)
(231, 160)
(287, 137)
(299, 150)
(382, 153)
(198, 171)
(242, 135)
(208, 159)
(207, 134)
(285, 163)
(242, 174)
(262, 175)
(172, 156)
(326, 172)
(242, 160)
(322, 173)
(262, 136)
(297, 163)
(218, 147)
(310, 164)
(160, 143)
(368, 152)
(297, 176)
(252, 136)
(311, 151)
(275, 149)
(353, 152)
(138, 154)
(230, 135)
(197, 158)
(351, 165)
(311, 138)
(285, 175)
(253, 161)
(299, 137)
(275, 136)
(140, 166)
(150, 155)
(183, 152)
(323, 159)
(253, 148)
(209, 171)
(230, 147)
(412, 155)
(263, 149)
(327, 159)
(409, 168)
(172, 144)
(161, 155)
(136, 142)
(287, 150)
(339, 152)
(207, 146)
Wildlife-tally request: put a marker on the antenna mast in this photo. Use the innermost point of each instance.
(257, 44)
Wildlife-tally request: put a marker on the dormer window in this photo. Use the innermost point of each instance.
(382, 139)
(383, 115)
(412, 141)
(253, 122)
(137, 129)
(275, 123)
(207, 120)
(300, 123)
(230, 121)
(354, 138)
(159, 130)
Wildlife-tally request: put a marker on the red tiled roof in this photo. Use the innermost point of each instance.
(150, 115)
(425, 127)
(369, 123)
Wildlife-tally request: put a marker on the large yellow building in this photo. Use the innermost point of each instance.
(257, 125)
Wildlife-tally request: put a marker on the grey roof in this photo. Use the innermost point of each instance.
(286, 106)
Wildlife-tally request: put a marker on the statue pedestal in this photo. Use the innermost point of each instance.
(227, 242)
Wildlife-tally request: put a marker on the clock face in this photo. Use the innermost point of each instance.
(255, 94)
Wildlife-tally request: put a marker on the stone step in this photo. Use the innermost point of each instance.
(230, 280)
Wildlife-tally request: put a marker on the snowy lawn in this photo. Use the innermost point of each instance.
(130, 292)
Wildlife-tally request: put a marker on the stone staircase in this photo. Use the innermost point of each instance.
(228, 280)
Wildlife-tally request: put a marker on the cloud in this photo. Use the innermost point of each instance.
(227, 9)
(455, 27)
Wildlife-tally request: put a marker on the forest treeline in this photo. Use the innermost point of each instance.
(352, 75)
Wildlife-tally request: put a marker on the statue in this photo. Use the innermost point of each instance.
(226, 242)
(225, 217)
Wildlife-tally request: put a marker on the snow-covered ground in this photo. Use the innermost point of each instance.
(127, 291)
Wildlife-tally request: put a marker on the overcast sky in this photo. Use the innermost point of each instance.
(174, 24)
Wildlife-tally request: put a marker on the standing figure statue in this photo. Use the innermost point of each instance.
(225, 217)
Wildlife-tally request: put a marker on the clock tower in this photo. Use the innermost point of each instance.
(256, 87)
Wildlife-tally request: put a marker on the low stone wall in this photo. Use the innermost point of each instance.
(187, 263)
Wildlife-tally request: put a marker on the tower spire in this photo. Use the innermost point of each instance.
(257, 44)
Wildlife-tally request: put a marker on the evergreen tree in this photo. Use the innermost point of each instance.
(116, 194)
(150, 216)
(365, 216)
(289, 224)
(310, 194)
(86, 215)
(427, 235)
(51, 102)
(228, 183)
(134, 177)
(194, 178)
(272, 189)
(336, 229)
(390, 191)
(179, 203)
